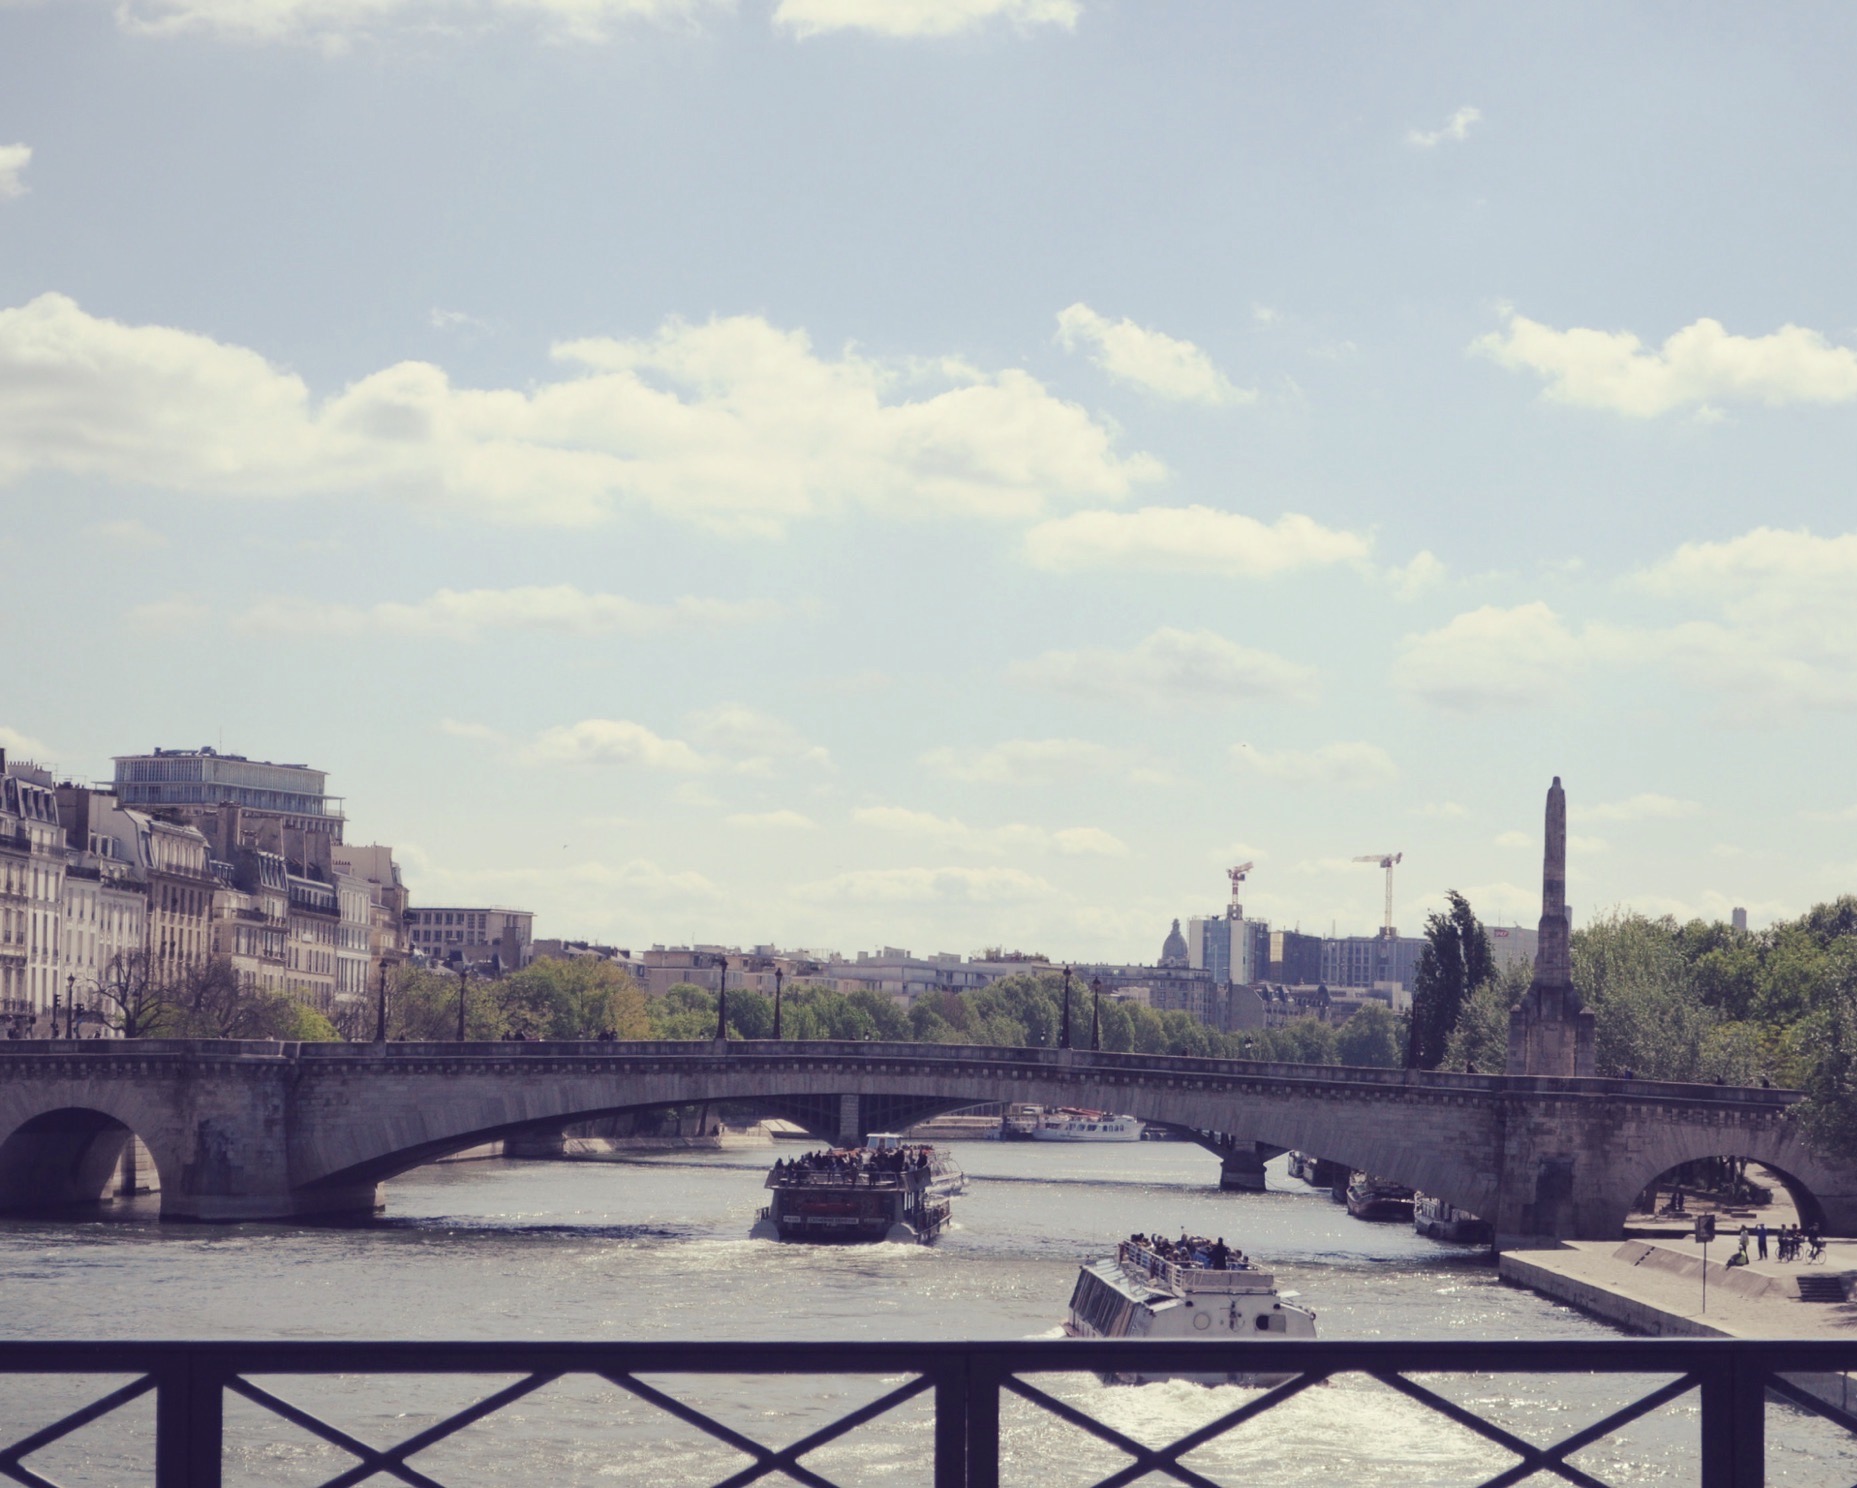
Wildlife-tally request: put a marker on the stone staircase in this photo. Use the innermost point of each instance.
(1820, 1287)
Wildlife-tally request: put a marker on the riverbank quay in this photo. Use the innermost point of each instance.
(1656, 1288)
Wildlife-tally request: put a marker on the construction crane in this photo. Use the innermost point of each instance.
(1386, 861)
(1237, 876)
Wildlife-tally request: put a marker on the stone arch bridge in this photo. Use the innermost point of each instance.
(258, 1130)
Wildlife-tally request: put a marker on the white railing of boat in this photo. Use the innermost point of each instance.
(1138, 1258)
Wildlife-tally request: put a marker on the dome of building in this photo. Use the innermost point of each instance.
(1173, 949)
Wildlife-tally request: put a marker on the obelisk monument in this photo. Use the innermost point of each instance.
(1551, 1033)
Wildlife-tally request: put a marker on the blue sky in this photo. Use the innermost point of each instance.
(949, 472)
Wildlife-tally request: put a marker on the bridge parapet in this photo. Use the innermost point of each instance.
(408, 1055)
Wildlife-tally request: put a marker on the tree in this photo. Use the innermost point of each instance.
(1455, 962)
(1479, 1043)
(1630, 970)
(1372, 1037)
(1828, 1115)
(579, 998)
(136, 1005)
(422, 1005)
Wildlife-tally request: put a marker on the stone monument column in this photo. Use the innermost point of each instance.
(1551, 1033)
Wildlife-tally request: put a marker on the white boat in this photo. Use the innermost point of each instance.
(1070, 1124)
(888, 1189)
(1141, 1292)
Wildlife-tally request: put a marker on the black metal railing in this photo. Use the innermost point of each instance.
(1728, 1385)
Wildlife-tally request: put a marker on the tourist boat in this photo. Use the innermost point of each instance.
(1141, 1293)
(887, 1190)
(1071, 1124)
(1376, 1198)
(1437, 1219)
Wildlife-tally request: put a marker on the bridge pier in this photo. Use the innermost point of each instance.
(850, 1133)
(1241, 1170)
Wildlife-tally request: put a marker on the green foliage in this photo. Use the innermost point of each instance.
(1631, 972)
(1455, 962)
(579, 998)
(1374, 1036)
(1479, 1043)
(1300, 1041)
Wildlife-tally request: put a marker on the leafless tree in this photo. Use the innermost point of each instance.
(136, 1004)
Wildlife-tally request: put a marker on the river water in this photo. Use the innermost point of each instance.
(655, 1248)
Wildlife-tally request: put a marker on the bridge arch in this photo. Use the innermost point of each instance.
(1799, 1173)
(1439, 1156)
(65, 1158)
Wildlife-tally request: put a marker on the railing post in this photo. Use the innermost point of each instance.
(1734, 1421)
(189, 1408)
(982, 1423)
(951, 1398)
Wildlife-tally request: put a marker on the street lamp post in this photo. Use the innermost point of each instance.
(464, 975)
(779, 977)
(1063, 1035)
(70, 1006)
(1096, 1014)
(380, 1014)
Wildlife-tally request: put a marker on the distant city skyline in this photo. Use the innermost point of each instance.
(949, 472)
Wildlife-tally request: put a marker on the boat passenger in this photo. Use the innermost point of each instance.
(1220, 1255)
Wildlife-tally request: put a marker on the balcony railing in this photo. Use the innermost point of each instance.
(1727, 1387)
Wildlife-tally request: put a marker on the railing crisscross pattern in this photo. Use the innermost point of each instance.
(191, 1383)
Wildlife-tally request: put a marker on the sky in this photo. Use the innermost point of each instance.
(950, 473)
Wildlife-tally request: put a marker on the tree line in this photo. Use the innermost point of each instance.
(1671, 1001)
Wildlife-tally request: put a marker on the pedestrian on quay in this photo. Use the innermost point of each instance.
(1760, 1239)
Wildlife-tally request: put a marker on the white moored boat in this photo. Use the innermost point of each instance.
(1069, 1124)
(1152, 1290)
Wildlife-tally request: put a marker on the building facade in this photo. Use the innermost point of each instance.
(474, 937)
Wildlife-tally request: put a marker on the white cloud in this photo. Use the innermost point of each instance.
(1091, 842)
(1345, 766)
(1785, 608)
(734, 424)
(1190, 539)
(468, 614)
(455, 728)
(1491, 658)
(783, 821)
(1514, 839)
(584, 898)
(612, 741)
(454, 320)
(920, 18)
(1698, 366)
(753, 739)
(1027, 761)
(1425, 572)
(1015, 837)
(176, 612)
(1457, 127)
(19, 746)
(1156, 363)
(1647, 806)
(128, 533)
(928, 886)
(337, 24)
(1441, 808)
(1173, 667)
(13, 160)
